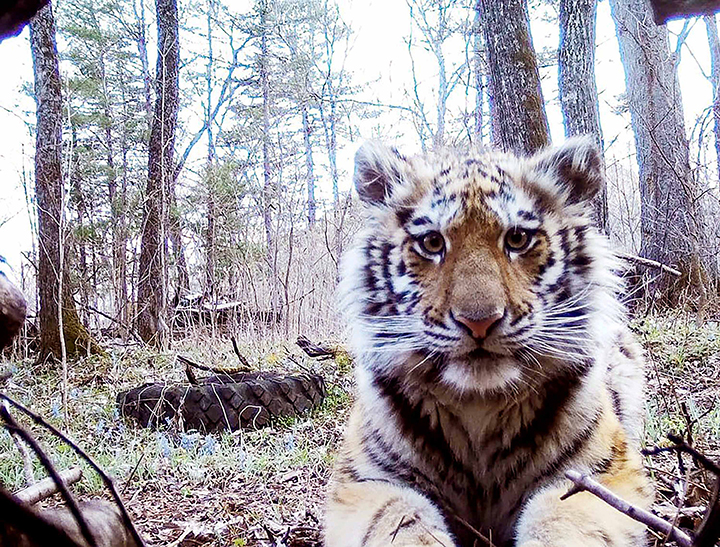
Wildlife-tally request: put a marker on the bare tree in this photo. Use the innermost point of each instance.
(152, 282)
(577, 86)
(517, 108)
(437, 22)
(210, 254)
(714, 43)
(671, 219)
(309, 163)
(264, 68)
(57, 310)
(479, 64)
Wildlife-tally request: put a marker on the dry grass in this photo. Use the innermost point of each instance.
(186, 488)
(227, 489)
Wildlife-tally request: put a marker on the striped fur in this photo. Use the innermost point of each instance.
(451, 432)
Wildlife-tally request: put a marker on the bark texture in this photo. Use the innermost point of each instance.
(152, 282)
(577, 86)
(49, 192)
(714, 43)
(671, 222)
(517, 108)
(309, 164)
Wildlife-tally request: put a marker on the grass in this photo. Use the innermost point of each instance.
(248, 482)
(177, 464)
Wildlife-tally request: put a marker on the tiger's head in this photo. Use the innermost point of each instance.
(482, 270)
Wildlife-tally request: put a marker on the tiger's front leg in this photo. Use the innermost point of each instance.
(583, 519)
(378, 514)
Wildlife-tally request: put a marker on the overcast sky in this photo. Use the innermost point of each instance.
(378, 56)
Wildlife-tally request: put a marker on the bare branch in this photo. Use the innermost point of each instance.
(585, 483)
(649, 263)
(126, 520)
(47, 487)
(14, 427)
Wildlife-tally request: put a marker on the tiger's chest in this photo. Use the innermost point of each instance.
(479, 461)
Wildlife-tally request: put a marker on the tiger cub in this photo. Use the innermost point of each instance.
(492, 355)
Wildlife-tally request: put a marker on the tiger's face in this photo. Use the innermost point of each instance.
(483, 268)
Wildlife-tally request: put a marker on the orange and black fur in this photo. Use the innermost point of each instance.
(492, 355)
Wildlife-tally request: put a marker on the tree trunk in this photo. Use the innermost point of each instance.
(714, 43)
(49, 192)
(577, 86)
(309, 164)
(269, 190)
(152, 282)
(670, 220)
(329, 127)
(142, 52)
(210, 254)
(516, 103)
(479, 72)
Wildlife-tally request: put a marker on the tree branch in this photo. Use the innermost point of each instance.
(585, 483)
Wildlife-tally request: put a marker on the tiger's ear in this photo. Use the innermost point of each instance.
(378, 170)
(575, 169)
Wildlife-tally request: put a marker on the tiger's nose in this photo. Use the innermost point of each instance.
(480, 326)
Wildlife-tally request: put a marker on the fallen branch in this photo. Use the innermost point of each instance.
(47, 487)
(206, 368)
(708, 533)
(649, 263)
(27, 459)
(585, 483)
(315, 350)
(240, 356)
(26, 527)
(14, 427)
(133, 536)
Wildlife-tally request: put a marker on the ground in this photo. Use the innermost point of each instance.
(266, 487)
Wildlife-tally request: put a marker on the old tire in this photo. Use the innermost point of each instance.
(225, 402)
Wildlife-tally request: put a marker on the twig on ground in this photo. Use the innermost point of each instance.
(226, 371)
(585, 483)
(127, 521)
(191, 375)
(14, 427)
(45, 488)
(649, 263)
(682, 446)
(299, 364)
(132, 473)
(315, 350)
(240, 356)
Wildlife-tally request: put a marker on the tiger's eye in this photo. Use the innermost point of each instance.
(517, 239)
(433, 243)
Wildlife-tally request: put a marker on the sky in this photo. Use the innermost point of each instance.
(378, 59)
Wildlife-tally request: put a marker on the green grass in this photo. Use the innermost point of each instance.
(126, 451)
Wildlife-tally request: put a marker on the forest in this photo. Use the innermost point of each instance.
(176, 198)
